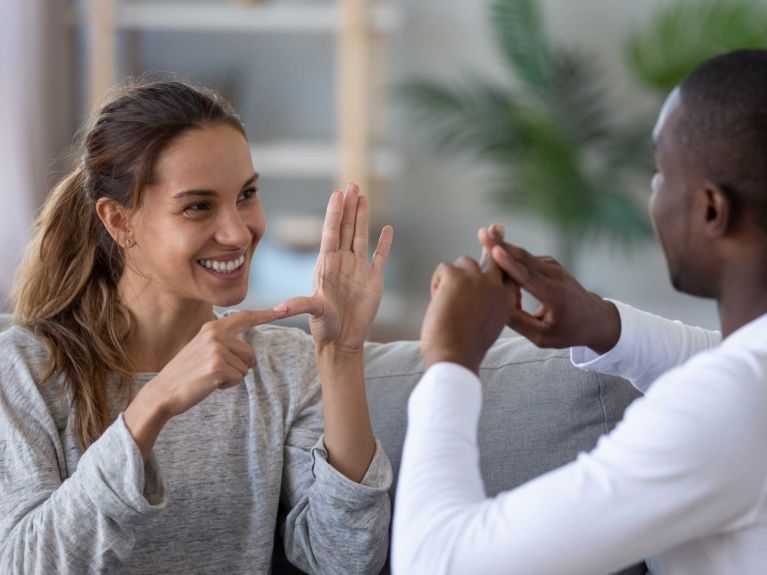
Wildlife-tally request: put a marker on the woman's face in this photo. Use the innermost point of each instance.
(200, 220)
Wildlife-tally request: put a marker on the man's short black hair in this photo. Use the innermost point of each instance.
(724, 126)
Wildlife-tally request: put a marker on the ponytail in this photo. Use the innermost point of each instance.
(66, 294)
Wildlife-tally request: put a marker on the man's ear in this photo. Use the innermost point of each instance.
(718, 210)
(115, 218)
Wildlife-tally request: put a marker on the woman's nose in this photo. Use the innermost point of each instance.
(232, 229)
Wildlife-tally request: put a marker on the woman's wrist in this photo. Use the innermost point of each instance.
(336, 353)
(145, 417)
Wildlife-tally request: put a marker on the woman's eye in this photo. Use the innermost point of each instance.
(248, 194)
(199, 207)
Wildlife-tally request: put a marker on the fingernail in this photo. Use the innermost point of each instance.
(281, 308)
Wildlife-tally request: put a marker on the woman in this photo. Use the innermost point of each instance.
(119, 450)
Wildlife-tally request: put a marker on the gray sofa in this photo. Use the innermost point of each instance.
(539, 412)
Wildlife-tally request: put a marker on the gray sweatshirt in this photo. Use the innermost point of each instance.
(206, 500)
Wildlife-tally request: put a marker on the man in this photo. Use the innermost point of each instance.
(682, 479)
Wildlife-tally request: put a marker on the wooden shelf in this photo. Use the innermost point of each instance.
(360, 29)
(281, 17)
(297, 159)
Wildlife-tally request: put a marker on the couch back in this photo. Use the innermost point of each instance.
(538, 411)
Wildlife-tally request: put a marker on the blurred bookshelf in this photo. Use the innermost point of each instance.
(357, 151)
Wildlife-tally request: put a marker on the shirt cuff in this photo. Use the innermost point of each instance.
(586, 359)
(377, 480)
(116, 478)
(448, 396)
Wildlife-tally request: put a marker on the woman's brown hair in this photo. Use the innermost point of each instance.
(66, 286)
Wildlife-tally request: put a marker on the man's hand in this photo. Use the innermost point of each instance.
(468, 310)
(569, 315)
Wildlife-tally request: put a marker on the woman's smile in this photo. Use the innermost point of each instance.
(229, 268)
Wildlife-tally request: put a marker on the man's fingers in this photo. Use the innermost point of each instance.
(497, 232)
(381, 255)
(303, 304)
(518, 269)
(527, 325)
(492, 269)
(351, 198)
(244, 320)
(360, 243)
(331, 227)
(468, 264)
(436, 277)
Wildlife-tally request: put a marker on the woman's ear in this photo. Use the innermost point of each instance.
(718, 211)
(115, 218)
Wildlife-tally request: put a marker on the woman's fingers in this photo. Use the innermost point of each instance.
(381, 255)
(242, 350)
(331, 228)
(244, 320)
(360, 242)
(234, 372)
(351, 199)
(304, 304)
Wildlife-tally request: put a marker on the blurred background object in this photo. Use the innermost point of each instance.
(546, 133)
(319, 87)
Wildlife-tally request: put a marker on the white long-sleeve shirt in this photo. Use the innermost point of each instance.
(682, 479)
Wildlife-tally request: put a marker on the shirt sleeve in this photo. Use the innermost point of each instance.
(333, 524)
(54, 523)
(666, 474)
(649, 345)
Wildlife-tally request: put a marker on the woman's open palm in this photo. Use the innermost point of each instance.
(347, 287)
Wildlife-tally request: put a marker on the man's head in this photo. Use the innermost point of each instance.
(710, 190)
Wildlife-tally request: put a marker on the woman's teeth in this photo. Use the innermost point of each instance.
(223, 267)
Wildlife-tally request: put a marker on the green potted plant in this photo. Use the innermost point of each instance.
(546, 133)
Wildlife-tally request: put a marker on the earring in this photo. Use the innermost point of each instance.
(128, 243)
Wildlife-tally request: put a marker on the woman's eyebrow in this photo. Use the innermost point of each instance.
(251, 179)
(210, 193)
(200, 193)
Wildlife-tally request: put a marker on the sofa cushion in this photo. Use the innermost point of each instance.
(538, 410)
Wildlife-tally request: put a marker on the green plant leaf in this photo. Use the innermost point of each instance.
(522, 39)
(476, 118)
(685, 34)
(577, 96)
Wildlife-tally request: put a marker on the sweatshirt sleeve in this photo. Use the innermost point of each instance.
(333, 524)
(667, 474)
(649, 345)
(55, 522)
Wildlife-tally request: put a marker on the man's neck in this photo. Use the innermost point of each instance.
(162, 323)
(743, 297)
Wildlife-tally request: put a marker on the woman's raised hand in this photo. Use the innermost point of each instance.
(347, 287)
